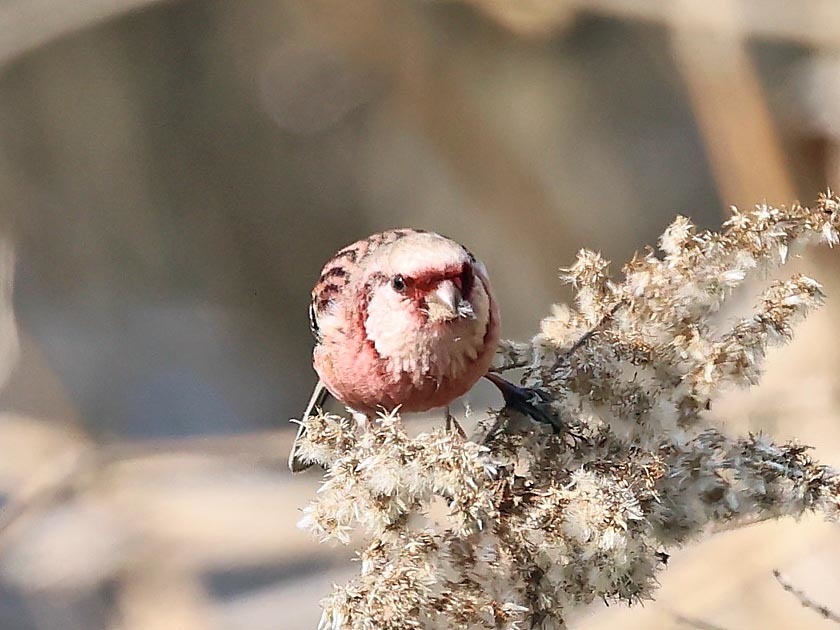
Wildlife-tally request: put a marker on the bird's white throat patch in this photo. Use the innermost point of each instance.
(422, 346)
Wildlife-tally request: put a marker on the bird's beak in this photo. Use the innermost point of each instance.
(446, 302)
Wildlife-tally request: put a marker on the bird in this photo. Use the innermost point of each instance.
(403, 319)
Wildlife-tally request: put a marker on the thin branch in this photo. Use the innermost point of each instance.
(811, 24)
(697, 624)
(807, 602)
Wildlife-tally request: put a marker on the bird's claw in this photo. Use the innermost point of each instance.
(530, 401)
(452, 423)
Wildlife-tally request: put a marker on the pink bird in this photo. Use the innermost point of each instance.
(406, 319)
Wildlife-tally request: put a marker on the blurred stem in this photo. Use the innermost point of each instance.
(26, 25)
(742, 145)
(804, 599)
(812, 23)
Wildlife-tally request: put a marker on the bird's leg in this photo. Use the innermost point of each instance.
(319, 396)
(451, 421)
(527, 400)
(535, 402)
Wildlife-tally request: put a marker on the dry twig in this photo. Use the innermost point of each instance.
(807, 602)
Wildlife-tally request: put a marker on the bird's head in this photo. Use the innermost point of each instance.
(426, 302)
(403, 318)
(427, 277)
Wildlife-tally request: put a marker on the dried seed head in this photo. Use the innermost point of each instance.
(535, 526)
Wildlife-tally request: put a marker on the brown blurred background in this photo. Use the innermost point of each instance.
(173, 175)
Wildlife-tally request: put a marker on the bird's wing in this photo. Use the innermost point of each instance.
(319, 396)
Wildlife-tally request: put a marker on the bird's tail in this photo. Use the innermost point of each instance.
(319, 395)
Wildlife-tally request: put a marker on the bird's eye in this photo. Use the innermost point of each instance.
(398, 283)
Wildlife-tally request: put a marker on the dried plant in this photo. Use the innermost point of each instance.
(540, 522)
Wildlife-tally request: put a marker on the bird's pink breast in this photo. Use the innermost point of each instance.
(353, 372)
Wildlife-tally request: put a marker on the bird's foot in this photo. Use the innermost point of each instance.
(529, 401)
(451, 423)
